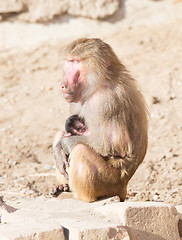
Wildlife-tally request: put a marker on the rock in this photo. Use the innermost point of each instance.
(145, 220)
(93, 9)
(45, 10)
(47, 167)
(10, 6)
(55, 234)
(179, 209)
(4, 206)
(155, 100)
(97, 233)
(43, 218)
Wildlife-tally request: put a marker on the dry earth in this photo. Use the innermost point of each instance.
(148, 40)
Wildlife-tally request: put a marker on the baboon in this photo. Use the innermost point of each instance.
(100, 162)
(75, 125)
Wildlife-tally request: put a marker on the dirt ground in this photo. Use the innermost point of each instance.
(32, 109)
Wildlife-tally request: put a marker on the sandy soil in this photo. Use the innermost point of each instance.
(149, 42)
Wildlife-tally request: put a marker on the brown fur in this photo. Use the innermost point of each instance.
(115, 114)
(91, 177)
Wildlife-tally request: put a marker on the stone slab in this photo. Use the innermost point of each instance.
(145, 220)
(66, 218)
(44, 218)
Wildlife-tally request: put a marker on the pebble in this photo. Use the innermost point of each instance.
(155, 100)
(155, 197)
(14, 163)
(21, 179)
(16, 139)
(172, 167)
(6, 160)
(47, 167)
(172, 192)
(24, 190)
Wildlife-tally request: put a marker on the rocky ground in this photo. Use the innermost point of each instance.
(147, 38)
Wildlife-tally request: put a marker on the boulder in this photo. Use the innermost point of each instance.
(45, 10)
(11, 6)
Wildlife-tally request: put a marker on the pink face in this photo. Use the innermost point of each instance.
(74, 80)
